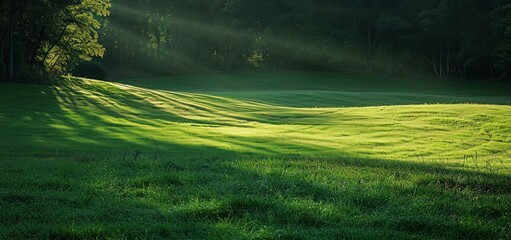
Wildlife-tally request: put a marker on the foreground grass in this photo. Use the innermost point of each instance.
(89, 159)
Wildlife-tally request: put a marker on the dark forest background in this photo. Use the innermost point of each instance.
(466, 39)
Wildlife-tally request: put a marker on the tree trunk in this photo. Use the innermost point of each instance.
(441, 63)
(36, 47)
(11, 55)
(490, 64)
(448, 56)
(11, 41)
(438, 74)
(56, 42)
(448, 62)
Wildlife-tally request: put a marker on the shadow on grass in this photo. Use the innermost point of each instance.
(220, 194)
(87, 117)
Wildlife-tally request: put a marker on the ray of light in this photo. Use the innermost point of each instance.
(289, 46)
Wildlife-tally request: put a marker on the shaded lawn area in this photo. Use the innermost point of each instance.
(155, 195)
(320, 89)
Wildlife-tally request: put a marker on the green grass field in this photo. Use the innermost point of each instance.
(271, 155)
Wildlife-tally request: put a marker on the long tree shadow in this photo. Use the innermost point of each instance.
(222, 194)
(88, 117)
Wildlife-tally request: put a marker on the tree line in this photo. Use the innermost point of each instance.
(468, 39)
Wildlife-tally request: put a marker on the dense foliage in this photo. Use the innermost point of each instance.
(440, 38)
(48, 37)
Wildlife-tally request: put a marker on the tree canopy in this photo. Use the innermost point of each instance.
(49, 37)
(438, 38)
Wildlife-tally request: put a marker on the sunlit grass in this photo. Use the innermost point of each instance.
(94, 159)
(138, 117)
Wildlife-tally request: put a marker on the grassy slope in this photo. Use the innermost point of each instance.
(250, 156)
(317, 89)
